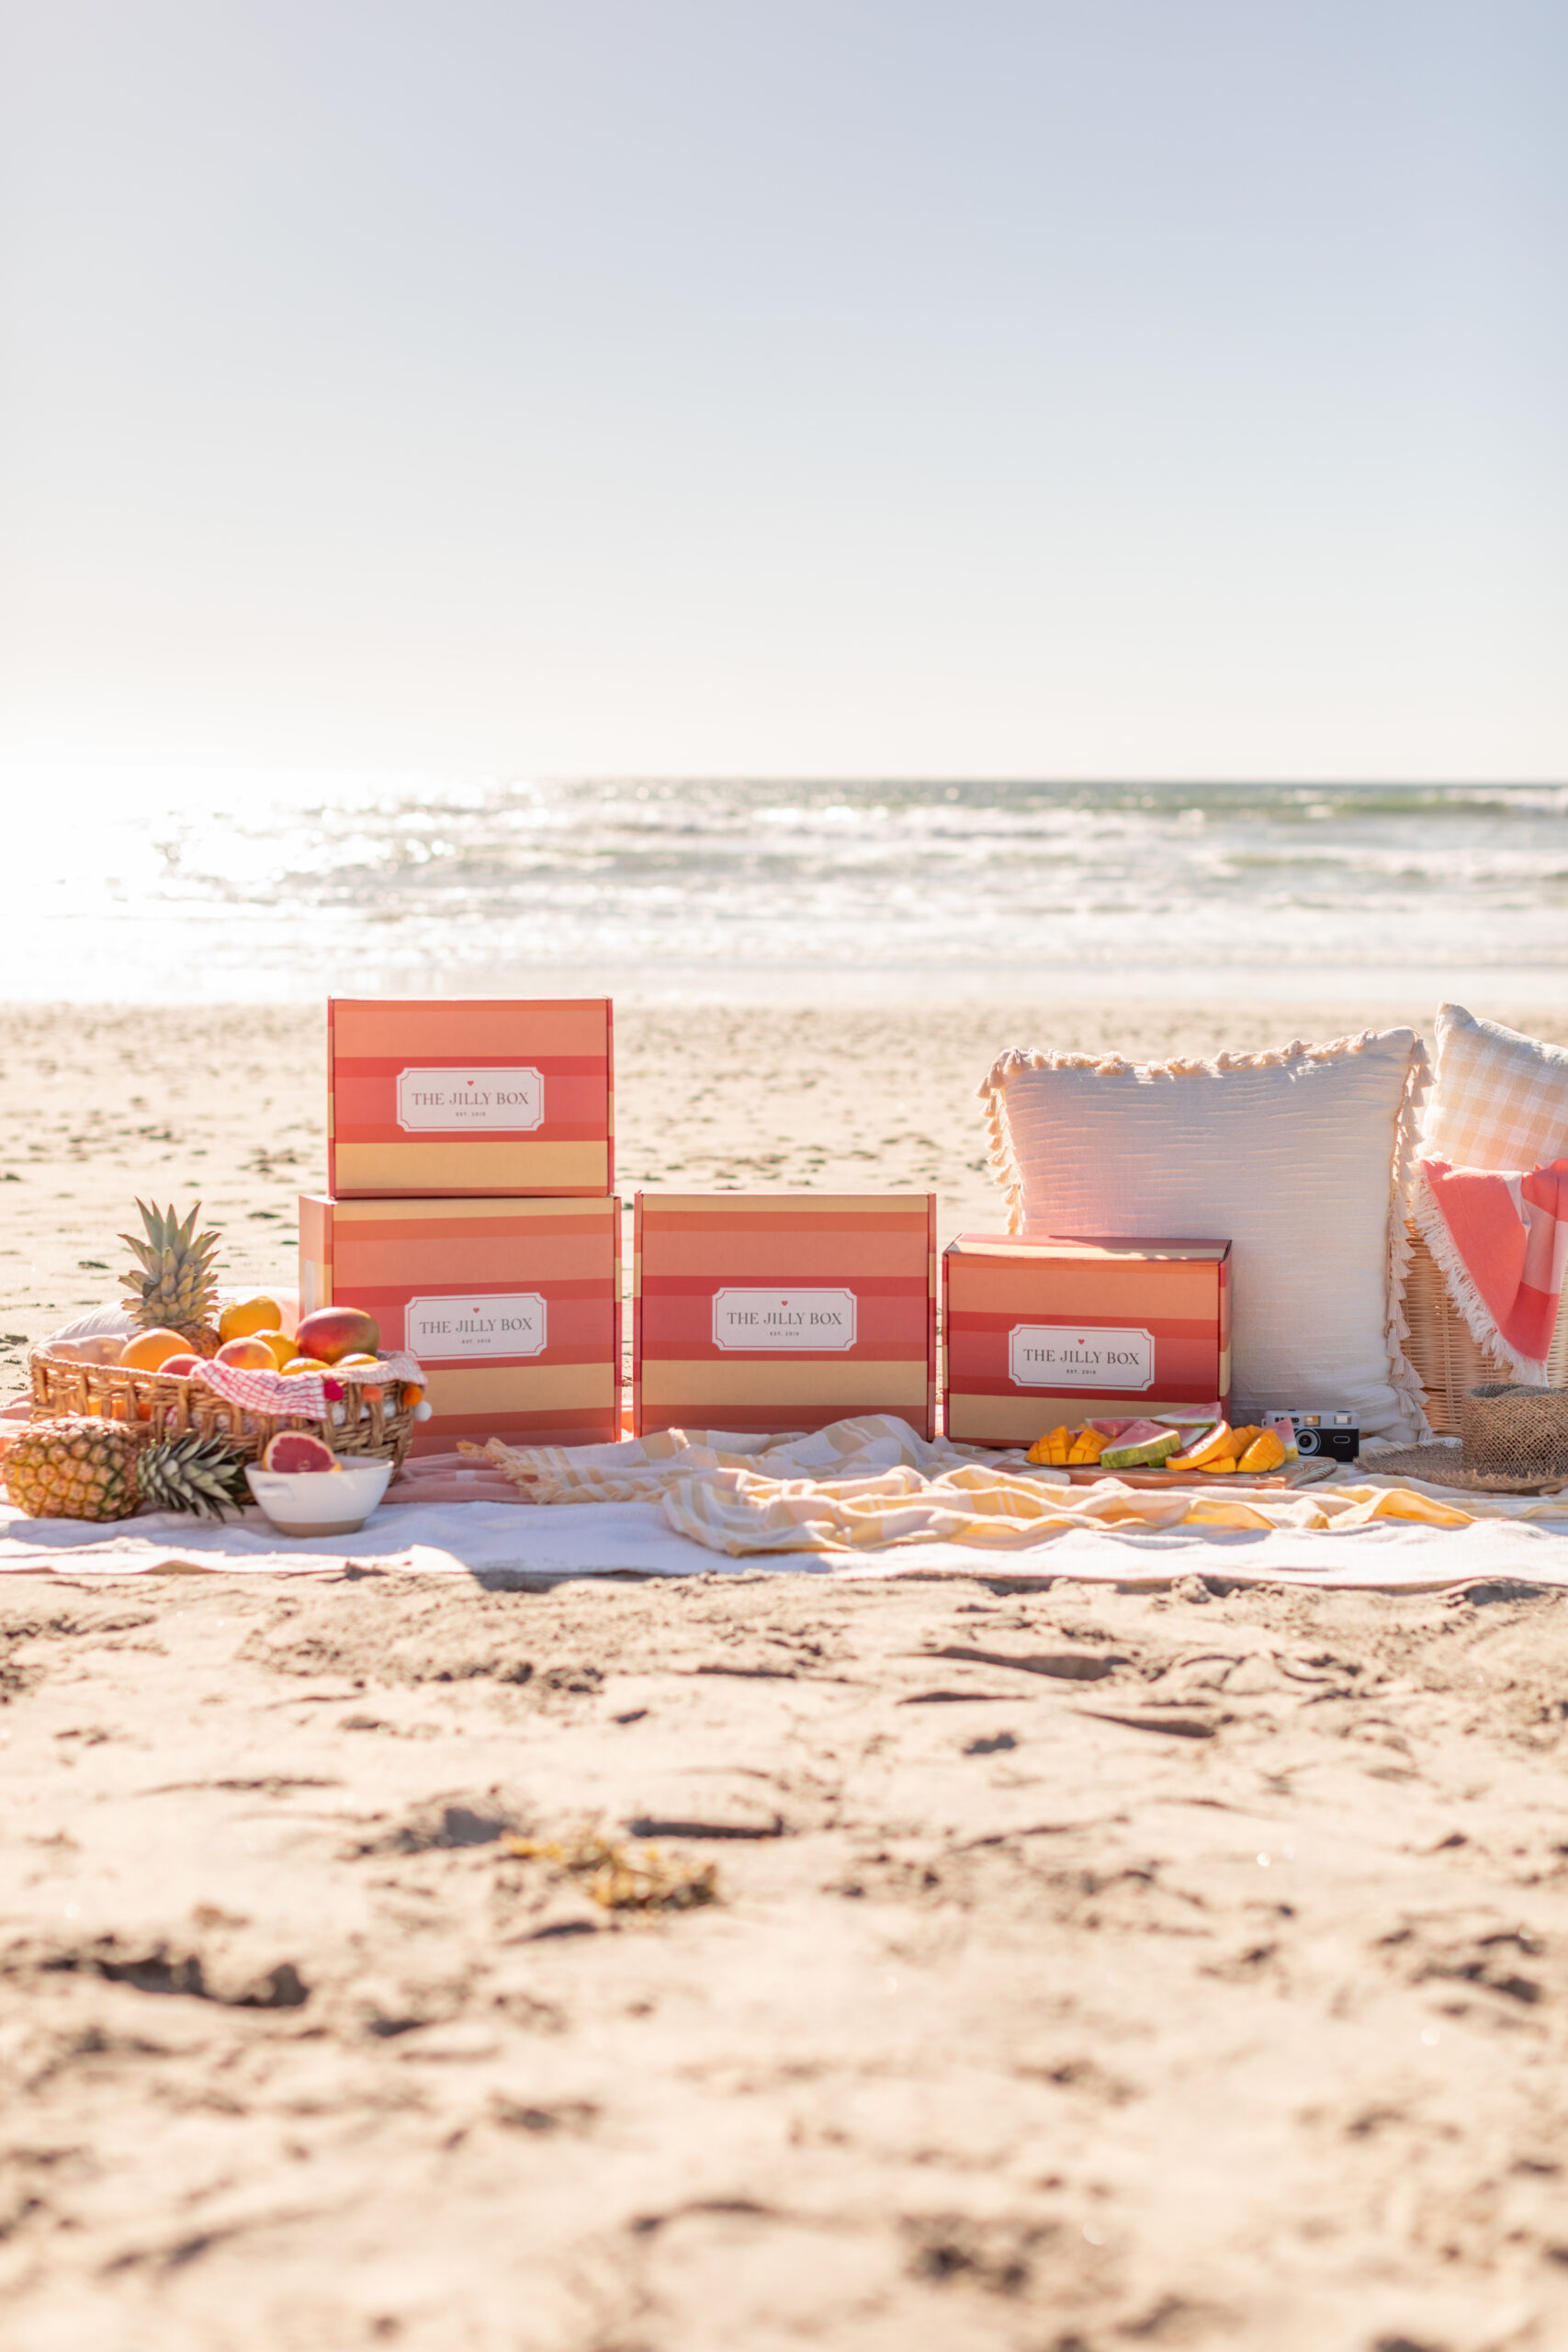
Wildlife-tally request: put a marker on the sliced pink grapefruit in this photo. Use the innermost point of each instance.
(297, 1450)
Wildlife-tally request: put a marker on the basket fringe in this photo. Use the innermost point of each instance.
(1408, 1386)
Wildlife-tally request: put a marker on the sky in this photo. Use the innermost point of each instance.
(839, 388)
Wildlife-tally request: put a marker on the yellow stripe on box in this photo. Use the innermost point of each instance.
(470, 1208)
(862, 1386)
(519, 1388)
(472, 1159)
(1018, 1420)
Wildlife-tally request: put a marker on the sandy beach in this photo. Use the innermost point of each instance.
(101, 1105)
(1082, 1969)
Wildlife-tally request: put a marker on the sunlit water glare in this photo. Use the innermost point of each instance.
(178, 887)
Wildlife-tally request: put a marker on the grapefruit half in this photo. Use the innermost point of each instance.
(297, 1450)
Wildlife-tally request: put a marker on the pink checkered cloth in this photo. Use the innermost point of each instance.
(308, 1397)
(1502, 1242)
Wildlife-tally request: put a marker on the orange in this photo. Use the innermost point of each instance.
(344, 1362)
(283, 1348)
(148, 1349)
(247, 1355)
(306, 1364)
(247, 1315)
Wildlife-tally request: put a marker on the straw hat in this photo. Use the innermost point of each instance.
(1515, 1442)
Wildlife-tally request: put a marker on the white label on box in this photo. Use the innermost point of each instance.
(1076, 1355)
(816, 1319)
(471, 1102)
(452, 1330)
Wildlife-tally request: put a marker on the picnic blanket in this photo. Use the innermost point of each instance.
(864, 1499)
(873, 1482)
(1502, 1243)
(508, 1545)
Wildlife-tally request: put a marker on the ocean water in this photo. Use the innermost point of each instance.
(170, 886)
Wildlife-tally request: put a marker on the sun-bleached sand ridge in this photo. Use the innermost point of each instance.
(1088, 1968)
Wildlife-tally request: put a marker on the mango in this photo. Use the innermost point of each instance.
(335, 1331)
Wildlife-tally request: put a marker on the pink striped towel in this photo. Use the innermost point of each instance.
(1502, 1242)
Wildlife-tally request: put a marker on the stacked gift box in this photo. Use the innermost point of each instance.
(469, 1208)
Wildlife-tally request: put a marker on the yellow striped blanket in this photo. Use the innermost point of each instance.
(862, 1484)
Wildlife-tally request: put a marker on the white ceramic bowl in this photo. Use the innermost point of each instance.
(320, 1503)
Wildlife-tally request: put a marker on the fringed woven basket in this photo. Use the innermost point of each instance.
(1514, 1432)
(376, 1425)
(1447, 1360)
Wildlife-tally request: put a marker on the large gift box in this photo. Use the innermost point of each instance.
(514, 1307)
(1039, 1332)
(771, 1311)
(469, 1095)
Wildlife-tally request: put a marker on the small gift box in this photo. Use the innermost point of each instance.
(1108, 1324)
(773, 1311)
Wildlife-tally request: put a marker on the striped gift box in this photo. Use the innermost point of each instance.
(1106, 1326)
(783, 1310)
(514, 1307)
(470, 1096)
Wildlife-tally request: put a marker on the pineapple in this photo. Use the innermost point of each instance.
(174, 1288)
(81, 1467)
(75, 1468)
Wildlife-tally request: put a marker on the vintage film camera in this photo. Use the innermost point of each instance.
(1324, 1437)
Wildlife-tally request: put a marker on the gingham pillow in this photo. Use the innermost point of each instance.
(1498, 1100)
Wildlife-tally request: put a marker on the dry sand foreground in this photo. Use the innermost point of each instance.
(1088, 1969)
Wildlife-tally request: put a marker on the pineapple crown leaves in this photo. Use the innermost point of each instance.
(172, 1250)
(192, 1473)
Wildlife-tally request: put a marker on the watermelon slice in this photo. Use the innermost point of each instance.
(1142, 1432)
(293, 1450)
(1132, 1453)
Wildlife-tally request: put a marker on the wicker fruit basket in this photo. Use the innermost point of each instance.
(376, 1424)
(1447, 1360)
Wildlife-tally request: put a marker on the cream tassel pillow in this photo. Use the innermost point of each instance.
(1299, 1158)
